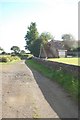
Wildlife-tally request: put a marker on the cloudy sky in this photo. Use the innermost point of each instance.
(54, 16)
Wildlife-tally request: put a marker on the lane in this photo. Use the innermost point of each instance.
(21, 95)
(28, 94)
(58, 99)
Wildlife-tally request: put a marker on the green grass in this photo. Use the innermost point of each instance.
(67, 81)
(72, 61)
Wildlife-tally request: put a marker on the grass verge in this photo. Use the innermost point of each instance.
(71, 61)
(67, 81)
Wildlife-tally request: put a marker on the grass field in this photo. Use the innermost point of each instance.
(72, 61)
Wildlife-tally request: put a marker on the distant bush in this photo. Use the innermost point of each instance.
(3, 53)
(3, 59)
(25, 56)
(8, 58)
(13, 55)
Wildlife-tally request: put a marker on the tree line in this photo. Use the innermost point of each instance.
(34, 41)
(15, 50)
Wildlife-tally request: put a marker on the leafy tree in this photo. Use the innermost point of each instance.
(67, 37)
(3, 53)
(69, 41)
(36, 47)
(31, 36)
(22, 52)
(1, 49)
(42, 40)
(34, 41)
(78, 43)
(76, 49)
(45, 36)
(16, 49)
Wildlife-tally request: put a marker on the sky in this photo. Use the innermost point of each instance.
(55, 16)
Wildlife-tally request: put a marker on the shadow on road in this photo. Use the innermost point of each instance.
(56, 97)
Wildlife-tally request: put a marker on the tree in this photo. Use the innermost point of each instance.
(67, 37)
(22, 52)
(45, 36)
(41, 41)
(31, 36)
(36, 47)
(34, 41)
(16, 49)
(3, 53)
(1, 49)
(69, 41)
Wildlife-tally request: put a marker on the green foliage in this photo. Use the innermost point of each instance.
(31, 36)
(34, 41)
(69, 41)
(22, 52)
(1, 49)
(67, 81)
(3, 53)
(45, 36)
(8, 58)
(35, 48)
(25, 56)
(76, 49)
(32, 33)
(16, 49)
(67, 37)
(3, 59)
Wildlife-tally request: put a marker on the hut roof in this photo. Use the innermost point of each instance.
(57, 44)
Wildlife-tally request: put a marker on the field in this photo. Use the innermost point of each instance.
(72, 61)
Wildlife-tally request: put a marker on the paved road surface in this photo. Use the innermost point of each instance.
(28, 94)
